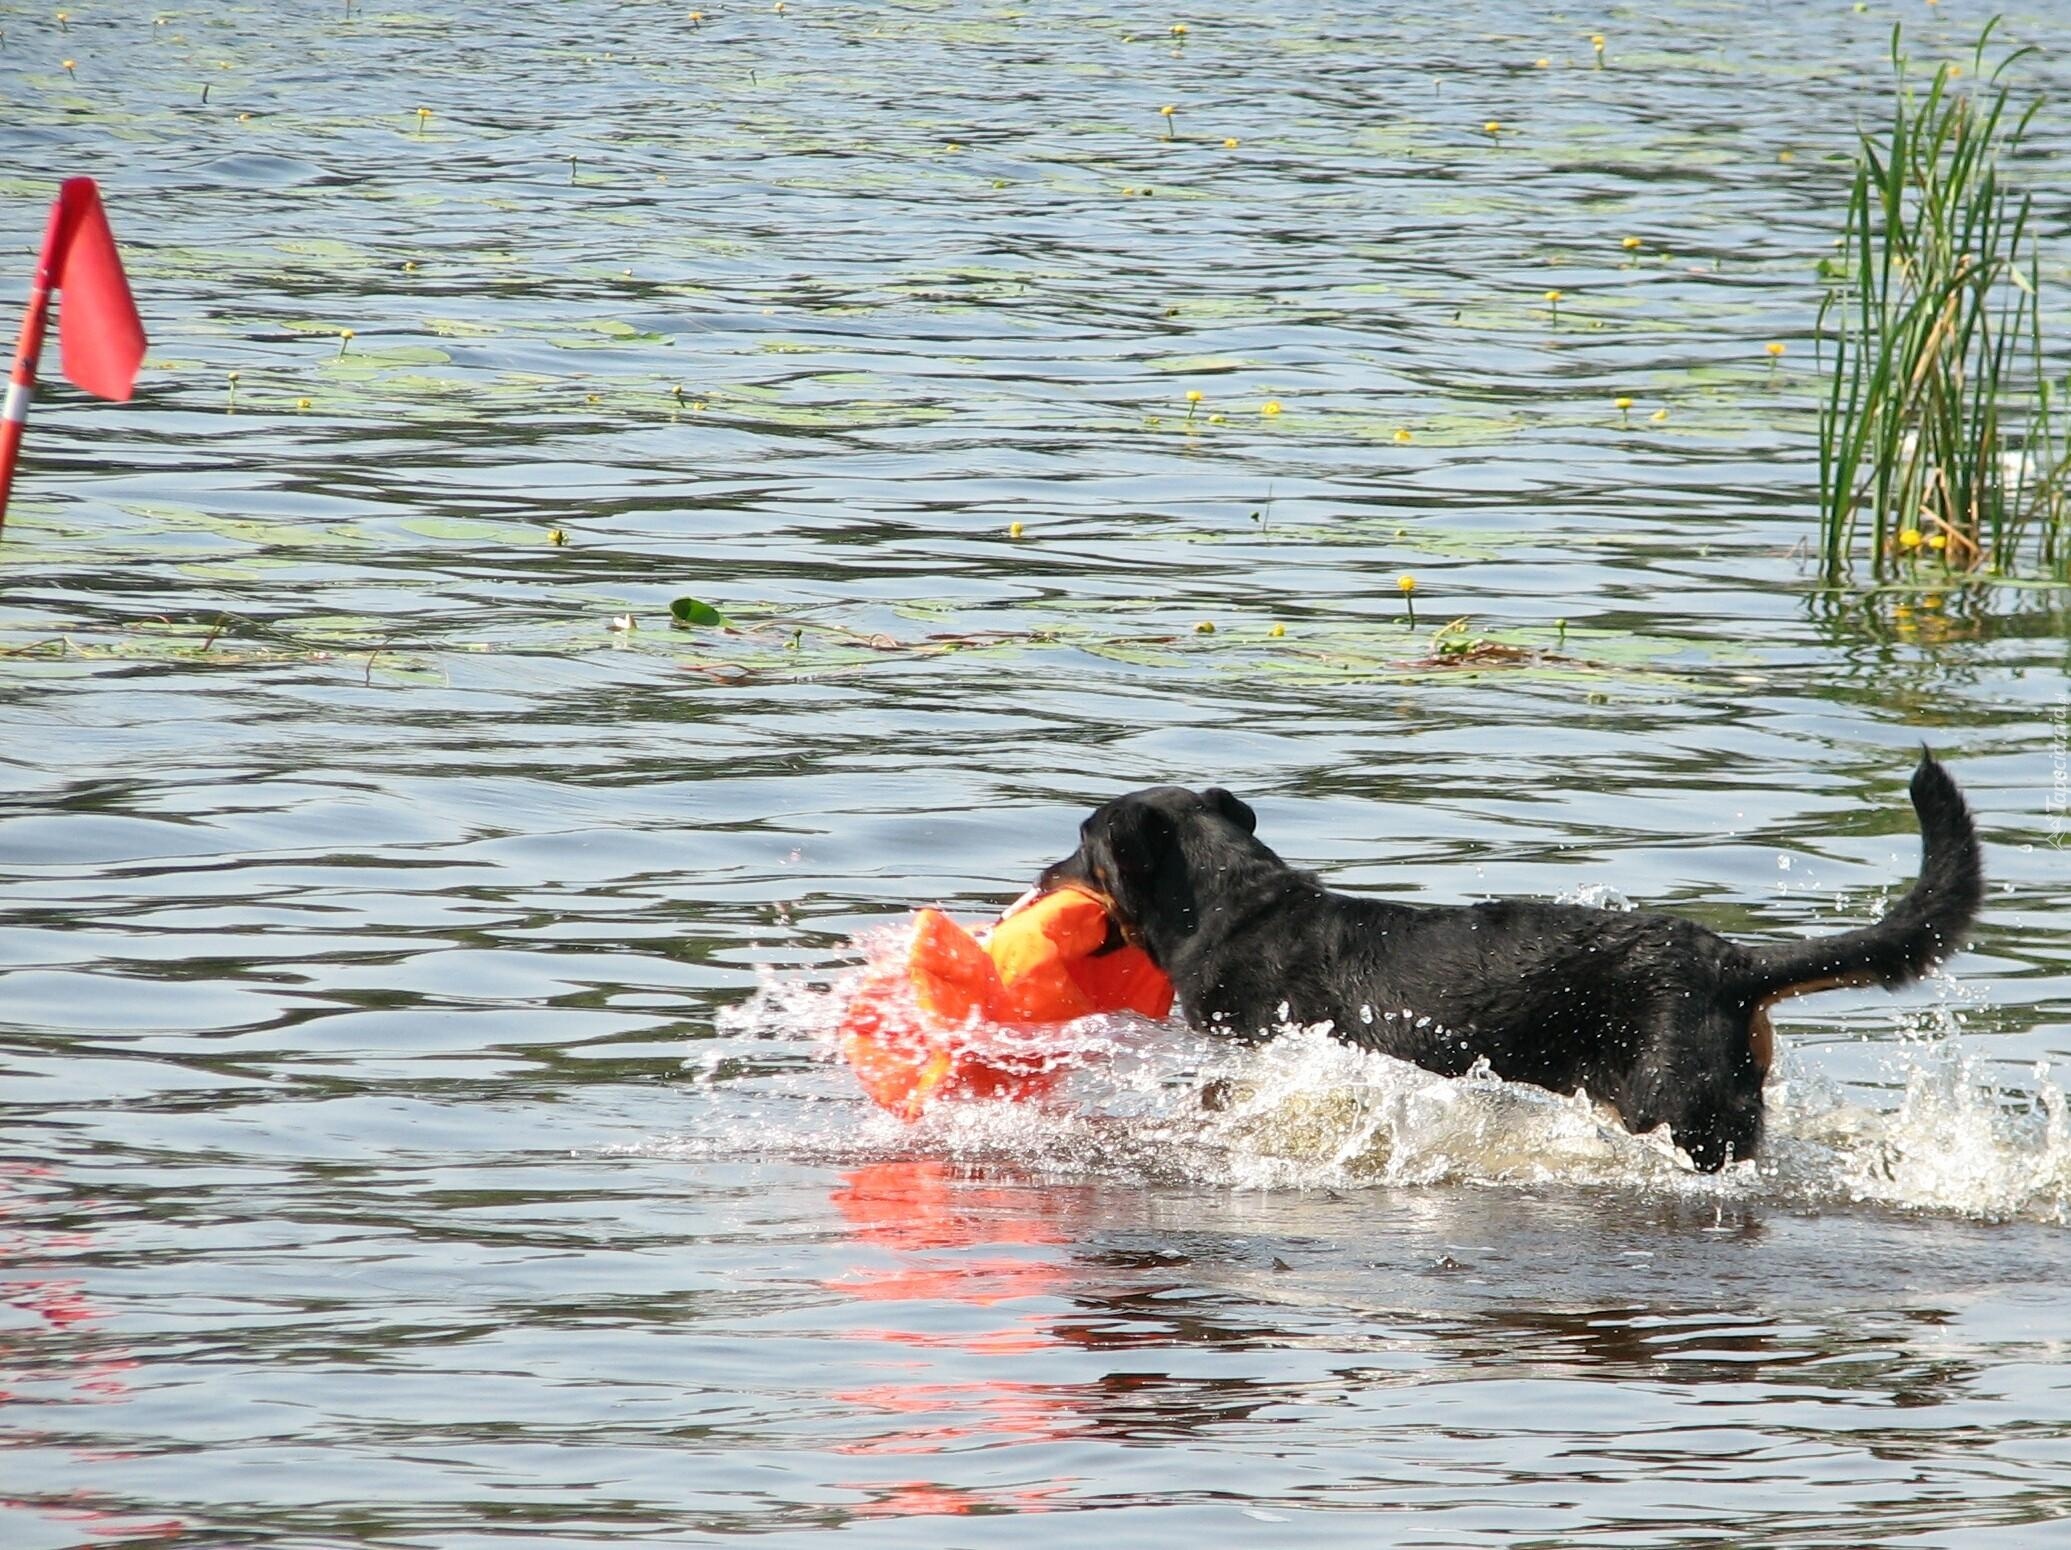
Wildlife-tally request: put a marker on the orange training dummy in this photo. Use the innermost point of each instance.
(967, 1030)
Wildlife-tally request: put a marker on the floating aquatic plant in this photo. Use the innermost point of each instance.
(695, 611)
(1938, 415)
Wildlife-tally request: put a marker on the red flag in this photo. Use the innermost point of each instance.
(98, 325)
(101, 336)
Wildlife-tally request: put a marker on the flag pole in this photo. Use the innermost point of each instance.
(21, 385)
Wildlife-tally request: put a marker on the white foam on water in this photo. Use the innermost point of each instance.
(1155, 1101)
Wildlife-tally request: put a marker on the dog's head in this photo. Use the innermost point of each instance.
(1152, 853)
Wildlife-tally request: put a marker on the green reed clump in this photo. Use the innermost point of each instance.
(1937, 441)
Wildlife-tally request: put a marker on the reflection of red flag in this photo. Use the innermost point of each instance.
(98, 328)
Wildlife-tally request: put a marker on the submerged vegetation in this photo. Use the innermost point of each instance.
(1938, 440)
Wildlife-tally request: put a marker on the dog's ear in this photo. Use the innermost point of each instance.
(1233, 809)
(1136, 836)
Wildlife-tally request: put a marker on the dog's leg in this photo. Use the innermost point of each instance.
(1704, 1084)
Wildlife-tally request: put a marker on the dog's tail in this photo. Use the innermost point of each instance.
(1916, 933)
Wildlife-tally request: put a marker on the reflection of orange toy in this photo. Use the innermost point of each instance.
(961, 1020)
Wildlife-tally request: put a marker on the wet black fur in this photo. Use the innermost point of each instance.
(1650, 1013)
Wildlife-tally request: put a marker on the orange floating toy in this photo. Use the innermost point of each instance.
(963, 1019)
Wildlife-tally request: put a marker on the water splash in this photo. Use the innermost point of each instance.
(1306, 1111)
(1956, 1142)
(1596, 896)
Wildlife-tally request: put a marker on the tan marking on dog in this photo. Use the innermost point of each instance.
(1761, 1039)
(1761, 1035)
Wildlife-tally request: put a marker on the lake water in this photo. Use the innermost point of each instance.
(420, 1124)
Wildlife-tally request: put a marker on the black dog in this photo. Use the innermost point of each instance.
(1664, 1020)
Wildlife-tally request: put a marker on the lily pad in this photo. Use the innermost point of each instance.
(691, 611)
